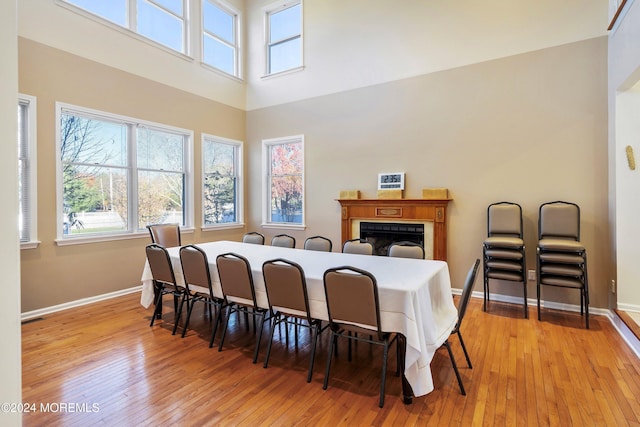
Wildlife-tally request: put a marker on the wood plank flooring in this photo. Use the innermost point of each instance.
(105, 363)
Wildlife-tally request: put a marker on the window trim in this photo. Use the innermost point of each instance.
(239, 171)
(266, 182)
(238, 51)
(131, 27)
(132, 170)
(275, 8)
(32, 159)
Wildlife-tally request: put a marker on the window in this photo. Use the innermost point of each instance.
(27, 171)
(284, 37)
(284, 183)
(117, 174)
(222, 181)
(220, 47)
(163, 21)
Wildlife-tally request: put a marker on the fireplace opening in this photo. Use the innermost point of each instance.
(383, 234)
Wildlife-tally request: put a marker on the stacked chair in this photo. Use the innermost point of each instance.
(561, 259)
(503, 250)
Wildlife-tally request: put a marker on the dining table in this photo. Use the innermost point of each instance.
(415, 296)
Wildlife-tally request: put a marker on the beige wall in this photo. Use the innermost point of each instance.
(52, 274)
(529, 128)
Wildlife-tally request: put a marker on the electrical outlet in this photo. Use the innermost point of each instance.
(531, 275)
(613, 286)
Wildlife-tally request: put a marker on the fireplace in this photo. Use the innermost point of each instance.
(382, 234)
(430, 213)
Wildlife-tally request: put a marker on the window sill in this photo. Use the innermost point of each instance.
(30, 245)
(109, 238)
(222, 226)
(282, 73)
(284, 226)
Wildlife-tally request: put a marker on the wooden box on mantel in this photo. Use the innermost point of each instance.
(389, 194)
(349, 194)
(435, 193)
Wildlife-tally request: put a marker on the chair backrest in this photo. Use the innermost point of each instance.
(167, 235)
(466, 291)
(160, 264)
(559, 220)
(352, 297)
(318, 243)
(284, 241)
(504, 219)
(195, 267)
(357, 246)
(253, 237)
(235, 276)
(406, 250)
(286, 286)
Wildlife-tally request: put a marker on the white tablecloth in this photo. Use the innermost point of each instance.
(415, 295)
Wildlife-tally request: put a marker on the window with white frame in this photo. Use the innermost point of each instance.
(221, 181)
(163, 21)
(284, 37)
(220, 29)
(116, 174)
(27, 168)
(283, 190)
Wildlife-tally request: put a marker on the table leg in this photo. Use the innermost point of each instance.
(407, 391)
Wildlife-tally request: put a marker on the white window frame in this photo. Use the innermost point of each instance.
(268, 11)
(130, 27)
(238, 162)
(237, 46)
(31, 164)
(134, 230)
(266, 182)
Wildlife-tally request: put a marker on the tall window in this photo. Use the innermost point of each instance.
(284, 183)
(222, 181)
(220, 47)
(117, 174)
(27, 170)
(163, 21)
(284, 37)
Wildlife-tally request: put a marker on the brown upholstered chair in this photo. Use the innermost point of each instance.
(318, 243)
(504, 250)
(561, 259)
(164, 281)
(283, 241)
(406, 249)
(357, 246)
(286, 289)
(236, 281)
(253, 237)
(343, 286)
(167, 235)
(197, 280)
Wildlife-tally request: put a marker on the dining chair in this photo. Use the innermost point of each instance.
(561, 259)
(357, 246)
(286, 289)
(504, 250)
(462, 307)
(318, 243)
(197, 280)
(406, 249)
(239, 293)
(253, 237)
(164, 281)
(353, 307)
(283, 241)
(167, 235)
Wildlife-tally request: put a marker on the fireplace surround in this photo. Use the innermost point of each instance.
(430, 213)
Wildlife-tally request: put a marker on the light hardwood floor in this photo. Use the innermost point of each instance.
(113, 369)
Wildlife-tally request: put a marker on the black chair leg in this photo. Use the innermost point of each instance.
(455, 368)
(215, 326)
(274, 322)
(178, 314)
(464, 349)
(260, 328)
(157, 312)
(329, 357)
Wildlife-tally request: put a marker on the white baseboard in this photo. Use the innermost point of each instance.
(77, 303)
(634, 308)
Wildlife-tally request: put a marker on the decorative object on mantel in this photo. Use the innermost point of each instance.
(350, 194)
(391, 181)
(435, 193)
(389, 194)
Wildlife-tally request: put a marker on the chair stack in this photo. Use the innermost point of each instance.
(503, 249)
(561, 259)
